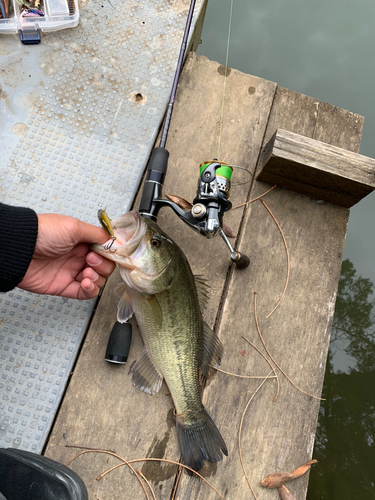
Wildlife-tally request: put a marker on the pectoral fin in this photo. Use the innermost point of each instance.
(144, 375)
(212, 352)
(120, 289)
(154, 305)
(124, 309)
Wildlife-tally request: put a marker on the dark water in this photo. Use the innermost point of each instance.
(325, 49)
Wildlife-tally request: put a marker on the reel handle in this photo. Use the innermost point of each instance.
(241, 260)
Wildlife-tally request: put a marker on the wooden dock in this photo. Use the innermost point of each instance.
(101, 408)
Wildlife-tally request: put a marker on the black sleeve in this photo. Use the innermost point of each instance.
(18, 233)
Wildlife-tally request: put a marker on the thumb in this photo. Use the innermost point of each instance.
(89, 233)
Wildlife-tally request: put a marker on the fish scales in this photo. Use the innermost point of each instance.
(160, 289)
(168, 346)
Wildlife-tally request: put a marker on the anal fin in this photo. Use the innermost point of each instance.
(212, 352)
(203, 291)
(144, 375)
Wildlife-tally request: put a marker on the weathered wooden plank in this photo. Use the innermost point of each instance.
(316, 169)
(277, 436)
(101, 408)
(287, 103)
(338, 127)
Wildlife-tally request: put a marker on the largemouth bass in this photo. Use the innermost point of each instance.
(167, 301)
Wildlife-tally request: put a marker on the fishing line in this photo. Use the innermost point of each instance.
(225, 77)
(223, 100)
(246, 170)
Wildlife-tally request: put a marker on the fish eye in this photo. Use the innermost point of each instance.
(155, 242)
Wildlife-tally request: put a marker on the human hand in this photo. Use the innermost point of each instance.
(62, 263)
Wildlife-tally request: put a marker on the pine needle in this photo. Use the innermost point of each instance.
(246, 376)
(177, 482)
(257, 198)
(146, 481)
(124, 462)
(128, 462)
(287, 258)
(272, 368)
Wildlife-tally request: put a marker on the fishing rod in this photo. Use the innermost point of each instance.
(206, 214)
(212, 198)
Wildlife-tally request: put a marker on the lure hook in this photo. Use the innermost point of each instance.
(108, 245)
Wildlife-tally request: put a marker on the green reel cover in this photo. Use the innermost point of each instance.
(223, 171)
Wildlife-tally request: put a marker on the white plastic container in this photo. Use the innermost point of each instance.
(58, 15)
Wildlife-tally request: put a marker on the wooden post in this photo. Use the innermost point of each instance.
(316, 169)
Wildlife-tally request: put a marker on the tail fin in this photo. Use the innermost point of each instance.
(200, 442)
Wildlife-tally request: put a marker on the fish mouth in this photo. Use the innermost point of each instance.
(128, 231)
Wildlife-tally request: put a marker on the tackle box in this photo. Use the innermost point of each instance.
(29, 17)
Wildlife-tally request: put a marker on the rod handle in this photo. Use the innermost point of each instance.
(155, 175)
(119, 343)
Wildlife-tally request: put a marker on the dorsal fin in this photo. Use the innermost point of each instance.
(203, 291)
(212, 352)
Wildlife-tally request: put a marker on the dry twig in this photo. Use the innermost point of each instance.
(285, 494)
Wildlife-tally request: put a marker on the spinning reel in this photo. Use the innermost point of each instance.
(209, 205)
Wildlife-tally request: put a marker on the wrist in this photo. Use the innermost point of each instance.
(19, 230)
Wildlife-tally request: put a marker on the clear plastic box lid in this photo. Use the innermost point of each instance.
(31, 15)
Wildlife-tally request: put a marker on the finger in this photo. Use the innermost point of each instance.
(101, 265)
(92, 275)
(84, 290)
(88, 289)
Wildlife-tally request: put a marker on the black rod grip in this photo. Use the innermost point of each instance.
(119, 343)
(145, 205)
(156, 170)
(158, 160)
